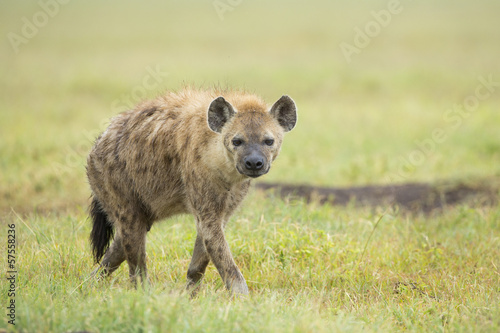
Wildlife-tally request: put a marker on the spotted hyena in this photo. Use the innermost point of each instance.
(186, 152)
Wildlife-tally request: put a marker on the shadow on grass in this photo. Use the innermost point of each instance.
(412, 197)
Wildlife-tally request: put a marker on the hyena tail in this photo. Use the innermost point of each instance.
(102, 230)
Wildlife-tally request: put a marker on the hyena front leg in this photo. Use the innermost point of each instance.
(198, 265)
(218, 250)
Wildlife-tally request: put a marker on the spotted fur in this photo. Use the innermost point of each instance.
(192, 151)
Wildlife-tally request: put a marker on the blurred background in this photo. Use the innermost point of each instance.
(387, 91)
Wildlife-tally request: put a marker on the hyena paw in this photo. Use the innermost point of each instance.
(239, 288)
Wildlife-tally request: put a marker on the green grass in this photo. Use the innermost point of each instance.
(309, 268)
(359, 123)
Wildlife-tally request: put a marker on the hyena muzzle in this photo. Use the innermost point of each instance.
(186, 152)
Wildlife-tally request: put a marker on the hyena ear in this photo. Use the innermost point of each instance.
(285, 112)
(219, 112)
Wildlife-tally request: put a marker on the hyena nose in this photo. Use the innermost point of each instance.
(253, 162)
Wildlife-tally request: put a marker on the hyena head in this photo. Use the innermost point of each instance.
(252, 135)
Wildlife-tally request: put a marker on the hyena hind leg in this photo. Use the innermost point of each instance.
(133, 239)
(113, 257)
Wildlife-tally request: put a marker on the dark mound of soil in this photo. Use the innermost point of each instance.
(413, 197)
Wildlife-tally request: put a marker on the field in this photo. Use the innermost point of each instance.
(386, 95)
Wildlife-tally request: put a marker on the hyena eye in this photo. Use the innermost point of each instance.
(237, 142)
(269, 142)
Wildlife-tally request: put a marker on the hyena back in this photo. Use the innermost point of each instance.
(186, 152)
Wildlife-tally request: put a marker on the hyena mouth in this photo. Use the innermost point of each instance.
(252, 173)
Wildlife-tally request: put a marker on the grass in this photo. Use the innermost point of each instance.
(359, 123)
(306, 267)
